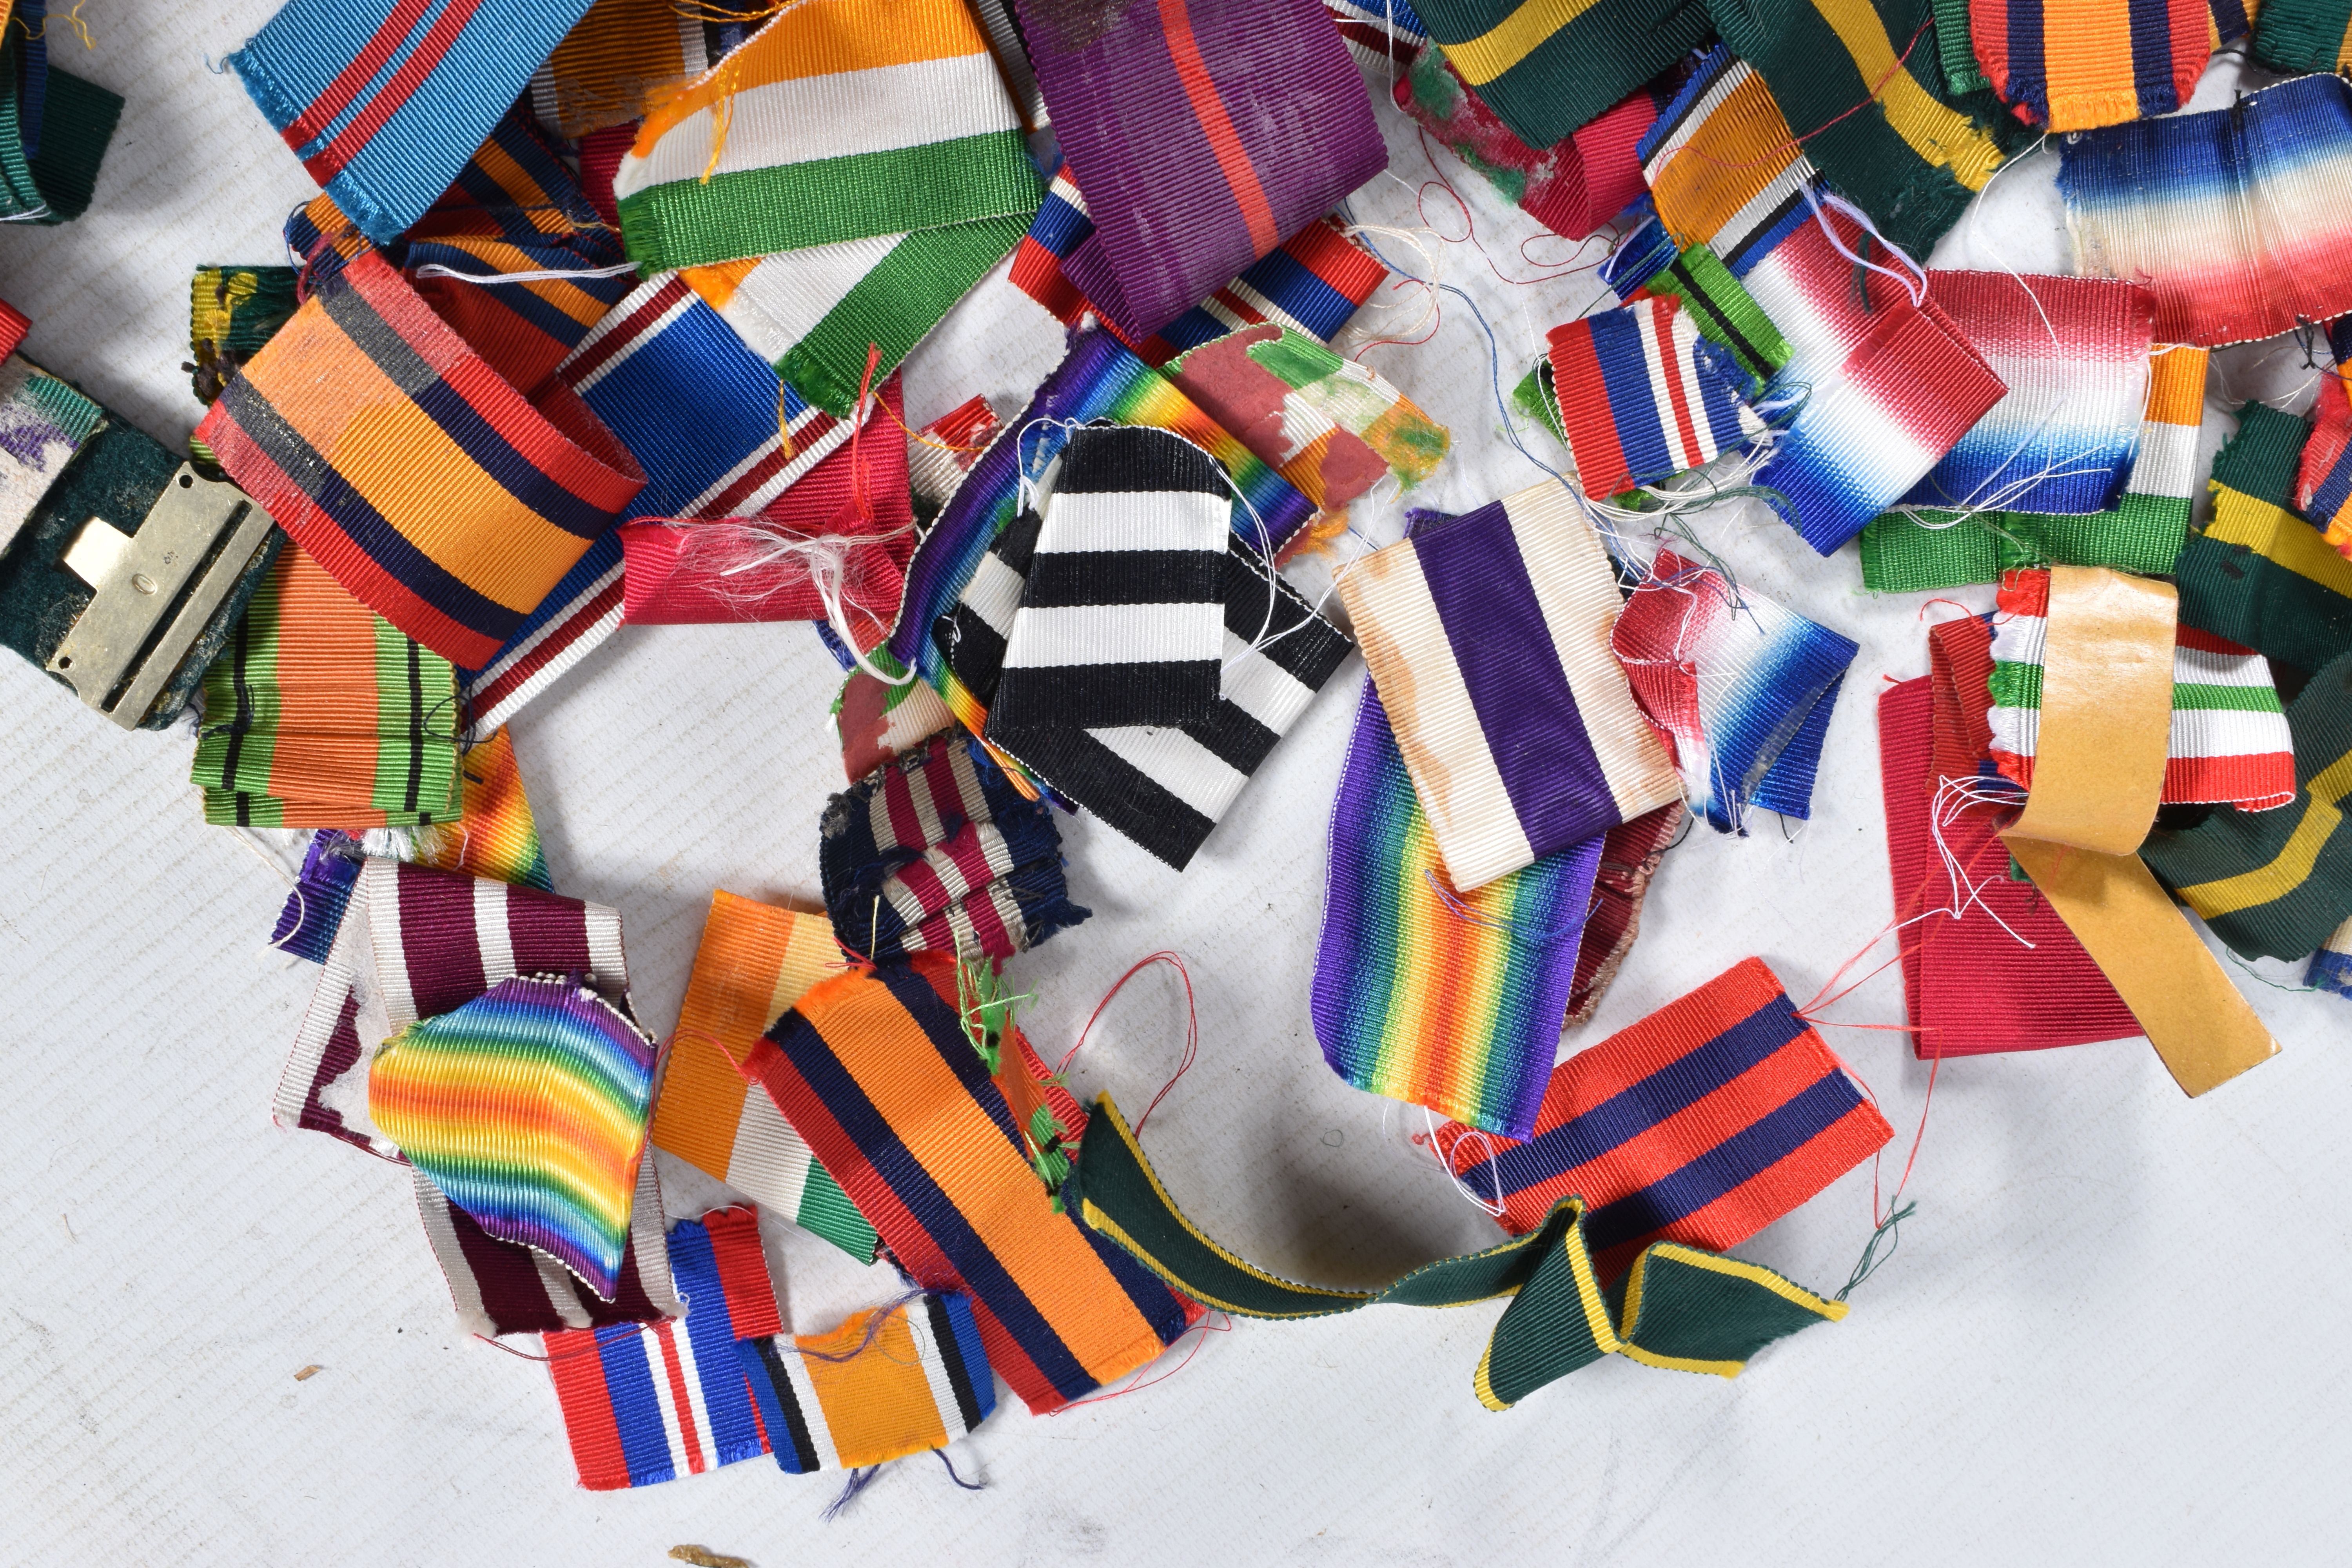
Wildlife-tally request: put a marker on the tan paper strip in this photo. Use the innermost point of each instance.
(2106, 710)
(2201, 1027)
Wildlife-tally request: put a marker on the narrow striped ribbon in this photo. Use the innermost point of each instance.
(1166, 788)
(1701, 1124)
(54, 127)
(2225, 215)
(937, 852)
(2229, 743)
(1906, 551)
(1860, 81)
(1631, 853)
(415, 943)
(1264, 126)
(1332, 427)
(889, 1382)
(2073, 65)
(1728, 676)
(320, 714)
(1571, 187)
(2258, 574)
(1001, 21)
(1448, 1000)
(2323, 476)
(1546, 67)
(1097, 379)
(1684, 1309)
(2005, 974)
(2074, 352)
(1314, 282)
(875, 1071)
(1488, 638)
(643, 1404)
(2303, 34)
(419, 477)
(1722, 309)
(1643, 397)
(754, 963)
(1723, 169)
(527, 1107)
(2277, 883)
(836, 183)
(384, 100)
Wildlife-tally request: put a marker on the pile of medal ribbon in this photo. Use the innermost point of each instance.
(599, 320)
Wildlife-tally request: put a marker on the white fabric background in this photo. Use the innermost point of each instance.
(2112, 1331)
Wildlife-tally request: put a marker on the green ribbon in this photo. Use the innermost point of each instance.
(77, 120)
(1683, 1308)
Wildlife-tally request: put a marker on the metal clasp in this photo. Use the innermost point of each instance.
(157, 591)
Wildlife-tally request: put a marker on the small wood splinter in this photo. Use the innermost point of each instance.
(702, 1558)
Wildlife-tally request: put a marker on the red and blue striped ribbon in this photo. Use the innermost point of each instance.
(1643, 396)
(383, 101)
(1703, 1123)
(2094, 64)
(648, 1403)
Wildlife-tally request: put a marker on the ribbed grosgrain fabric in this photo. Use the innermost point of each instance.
(937, 852)
(426, 941)
(1439, 999)
(1546, 69)
(232, 312)
(526, 1108)
(2229, 741)
(1313, 282)
(1166, 788)
(2074, 352)
(2324, 478)
(2142, 533)
(621, 60)
(1860, 83)
(1703, 1123)
(1383, 34)
(1728, 676)
(869, 1393)
(1970, 986)
(500, 1287)
(1685, 1309)
(1332, 427)
(419, 477)
(1723, 169)
(1571, 187)
(1122, 619)
(1204, 132)
(874, 1070)
(648, 1404)
(384, 100)
(2072, 65)
(1487, 637)
(2276, 883)
(54, 128)
(1631, 853)
(1642, 399)
(2229, 217)
(2331, 966)
(320, 714)
(2258, 574)
(1724, 312)
(754, 962)
(2303, 34)
(495, 834)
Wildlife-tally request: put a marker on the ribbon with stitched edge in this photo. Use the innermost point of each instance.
(1258, 125)
(2073, 65)
(875, 1071)
(1547, 66)
(2218, 214)
(839, 181)
(384, 100)
(1643, 397)
(1685, 1309)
